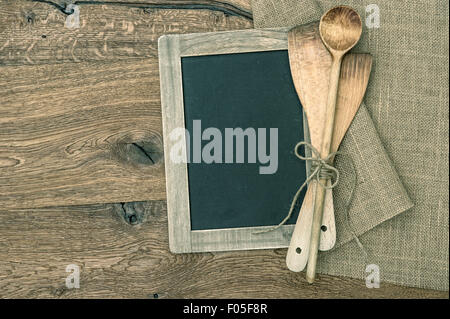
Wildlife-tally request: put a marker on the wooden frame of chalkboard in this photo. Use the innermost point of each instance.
(172, 48)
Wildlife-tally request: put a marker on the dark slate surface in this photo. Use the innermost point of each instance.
(243, 90)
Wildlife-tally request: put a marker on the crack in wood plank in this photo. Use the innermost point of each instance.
(80, 133)
(220, 6)
(31, 33)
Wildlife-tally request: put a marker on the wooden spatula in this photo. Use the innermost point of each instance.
(310, 64)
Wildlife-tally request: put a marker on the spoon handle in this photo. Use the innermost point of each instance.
(324, 152)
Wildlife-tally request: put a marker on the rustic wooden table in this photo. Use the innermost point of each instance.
(81, 164)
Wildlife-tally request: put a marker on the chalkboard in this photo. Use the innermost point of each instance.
(239, 81)
(246, 90)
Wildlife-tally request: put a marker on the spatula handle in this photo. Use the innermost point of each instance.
(328, 227)
(324, 152)
(298, 251)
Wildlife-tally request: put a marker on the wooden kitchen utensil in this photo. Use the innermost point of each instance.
(310, 64)
(340, 29)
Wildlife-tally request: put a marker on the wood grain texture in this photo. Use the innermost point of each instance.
(80, 133)
(353, 80)
(121, 260)
(308, 77)
(35, 33)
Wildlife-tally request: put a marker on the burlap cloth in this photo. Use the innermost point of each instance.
(398, 141)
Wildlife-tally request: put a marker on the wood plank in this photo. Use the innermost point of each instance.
(77, 150)
(230, 7)
(123, 260)
(35, 33)
(80, 133)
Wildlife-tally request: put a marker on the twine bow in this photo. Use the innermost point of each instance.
(321, 168)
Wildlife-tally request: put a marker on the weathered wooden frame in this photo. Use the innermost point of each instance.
(171, 49)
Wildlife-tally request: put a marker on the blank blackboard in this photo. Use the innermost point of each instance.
(229, 80)
(246, 90)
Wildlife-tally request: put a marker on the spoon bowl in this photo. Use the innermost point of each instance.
(340, 29)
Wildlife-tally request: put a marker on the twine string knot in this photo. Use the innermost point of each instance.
(322, 168)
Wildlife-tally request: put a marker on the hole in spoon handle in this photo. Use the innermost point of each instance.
(297, 255)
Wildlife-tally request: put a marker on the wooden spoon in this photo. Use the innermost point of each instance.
(310, 64)
(340, 29)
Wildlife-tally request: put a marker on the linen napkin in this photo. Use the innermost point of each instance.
(398, 141)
